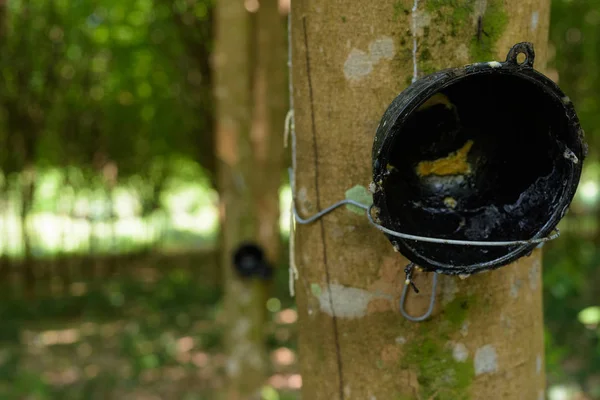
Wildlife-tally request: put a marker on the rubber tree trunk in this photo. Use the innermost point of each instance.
(250, 91)
(485, 338)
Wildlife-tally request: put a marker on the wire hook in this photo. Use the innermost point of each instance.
(409, 270)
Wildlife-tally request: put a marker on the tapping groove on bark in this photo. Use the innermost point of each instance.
(316, 166)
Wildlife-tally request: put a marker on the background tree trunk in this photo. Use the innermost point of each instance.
(485, 339)
(270, 107)
(250, 79)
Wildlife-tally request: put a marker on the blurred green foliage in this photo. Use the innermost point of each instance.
(86, 83)
(571, 273)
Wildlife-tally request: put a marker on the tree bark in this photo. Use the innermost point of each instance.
(485, 338)
(250, 78)
(270, 107)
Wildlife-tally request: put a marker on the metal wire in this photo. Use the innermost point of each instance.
(323, 212)
(369, 208)
(504, 243)
(326, 211)
(431, 301)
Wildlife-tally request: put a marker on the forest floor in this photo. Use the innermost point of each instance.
(151, 333)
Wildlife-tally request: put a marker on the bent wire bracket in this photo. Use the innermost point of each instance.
(409, 270)
(368, 209)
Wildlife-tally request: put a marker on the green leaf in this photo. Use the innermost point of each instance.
(361, 195)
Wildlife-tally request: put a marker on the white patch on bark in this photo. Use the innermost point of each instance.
(464, 329)
(462, 53)
(382, 48)
(305, 257)
(303, 199)
(346, 302)
(360, 63)
(347, 391)
(244, 352)
(241, 328)
(357, 65)
(486, 360)
(449, 290)
(422, 20)
(538, 364)
(414, 11)
(232, 367)
(506, 321)
(534, 273)
(514, 287)
(535, 19)
(460, 352)
(400, 340)
(479, 10)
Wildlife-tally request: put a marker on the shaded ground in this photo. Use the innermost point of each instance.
(148, 331)
(146, 326)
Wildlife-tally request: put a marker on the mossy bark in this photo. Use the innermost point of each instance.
(485, 338)
(249, 48)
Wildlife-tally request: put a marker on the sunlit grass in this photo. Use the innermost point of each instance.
(127, 204)
(564, 392)
(69, 222)
(590, 316)
(588, 189)
(204, 221)
(588, 192)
